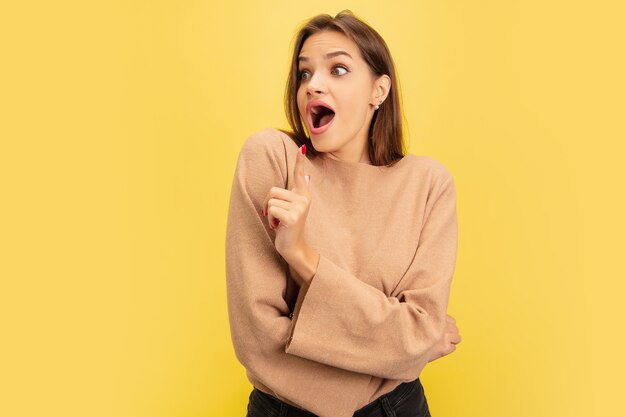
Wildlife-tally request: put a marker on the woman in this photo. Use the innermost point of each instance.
(340, 248)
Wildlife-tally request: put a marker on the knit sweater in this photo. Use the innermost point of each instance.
(364, 324)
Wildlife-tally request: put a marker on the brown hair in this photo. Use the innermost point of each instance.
(386, 145)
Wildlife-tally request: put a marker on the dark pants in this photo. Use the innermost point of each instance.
(406, 400)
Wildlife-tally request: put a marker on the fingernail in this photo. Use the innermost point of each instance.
(307, 178)
(303, 149)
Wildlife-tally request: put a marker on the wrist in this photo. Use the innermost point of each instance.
(304, 261)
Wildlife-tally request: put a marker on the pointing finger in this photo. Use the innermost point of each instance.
(299, 179)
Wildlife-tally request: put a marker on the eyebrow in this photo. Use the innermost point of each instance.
(329, 55)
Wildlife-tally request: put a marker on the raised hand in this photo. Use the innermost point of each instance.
(287, 210)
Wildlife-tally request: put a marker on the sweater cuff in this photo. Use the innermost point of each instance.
(306, 328)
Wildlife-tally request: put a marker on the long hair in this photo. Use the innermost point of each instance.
(385, 136)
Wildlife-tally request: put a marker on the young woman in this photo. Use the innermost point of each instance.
(340, 247)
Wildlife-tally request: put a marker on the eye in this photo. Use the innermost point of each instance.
(303, 72)
(342, 67)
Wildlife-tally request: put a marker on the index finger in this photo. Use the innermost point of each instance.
(298, 169)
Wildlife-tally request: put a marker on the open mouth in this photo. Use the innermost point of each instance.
(321, 116)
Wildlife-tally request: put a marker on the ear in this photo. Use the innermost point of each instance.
(381, 89)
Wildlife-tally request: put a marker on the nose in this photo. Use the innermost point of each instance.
(316, 84)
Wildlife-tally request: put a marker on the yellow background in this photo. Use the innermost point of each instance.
(120, 125)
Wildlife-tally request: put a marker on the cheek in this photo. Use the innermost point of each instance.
(301, 100)
(354, 104)
(302, 111)
(355, 98)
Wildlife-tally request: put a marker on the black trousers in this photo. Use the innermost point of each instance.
(406, 400)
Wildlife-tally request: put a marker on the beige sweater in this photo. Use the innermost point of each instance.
(387, 239)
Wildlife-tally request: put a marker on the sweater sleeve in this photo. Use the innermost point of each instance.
(344, 322)
(256, 279)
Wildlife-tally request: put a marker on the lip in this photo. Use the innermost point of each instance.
(309, 120)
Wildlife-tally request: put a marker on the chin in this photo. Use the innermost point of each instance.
(322, 145)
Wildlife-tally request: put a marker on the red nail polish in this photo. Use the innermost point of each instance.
(303, 149)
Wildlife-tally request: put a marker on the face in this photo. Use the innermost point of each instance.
(344, 82)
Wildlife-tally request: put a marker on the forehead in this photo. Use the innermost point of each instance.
(321, 42)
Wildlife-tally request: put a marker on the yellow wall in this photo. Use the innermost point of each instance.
(121, 122)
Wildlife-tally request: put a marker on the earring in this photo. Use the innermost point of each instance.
(378, 105)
